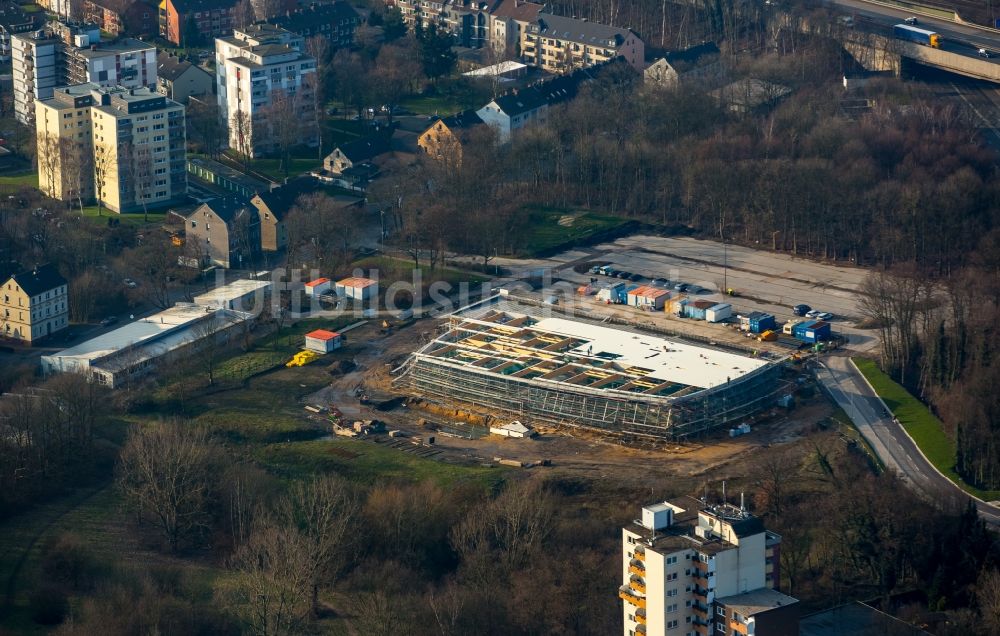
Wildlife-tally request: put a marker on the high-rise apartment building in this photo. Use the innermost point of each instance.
(264, 83)
(125, 147)
(63, 54)
(693, 569)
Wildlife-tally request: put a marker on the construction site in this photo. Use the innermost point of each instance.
(526, 362)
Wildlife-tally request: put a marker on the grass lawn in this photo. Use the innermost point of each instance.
(552, 228)
(367, 462)
(925, 429)
(442, 105)
(299, 164)
(29, 179)
(92, 214)
(392, 269)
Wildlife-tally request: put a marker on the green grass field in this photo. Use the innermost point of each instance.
(551, 228)
(29, 180)
(922, 425)
(366, 462)
(392, 269)
(100, 217)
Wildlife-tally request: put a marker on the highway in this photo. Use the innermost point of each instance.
(890, 442)
(958, 38)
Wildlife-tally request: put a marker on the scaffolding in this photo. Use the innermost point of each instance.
(509, 364)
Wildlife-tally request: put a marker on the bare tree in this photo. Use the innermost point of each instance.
(50, 150)
(264, 10)
(318, 46)
(104, 165)
(78, 168)
(242, 133)
(243, 14)
(139, 168)
(324, 511)
(165, 473)
(271, 588)
(205, 127)
(988, 596)
(285, 126)
(211, 341)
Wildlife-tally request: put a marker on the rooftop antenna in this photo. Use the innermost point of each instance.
(742, 508)
(723, 492)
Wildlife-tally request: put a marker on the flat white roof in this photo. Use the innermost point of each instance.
(134, 333)
(496, 69)
(669, 360)
(224, 294)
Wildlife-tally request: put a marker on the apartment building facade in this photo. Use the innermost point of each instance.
(182, 20)
(134, 158)
(118, 17)
(561, 45)
(467, 20)
(14, 20)
(33, 304)
(693, 569)
(258, 70)
(62, 55)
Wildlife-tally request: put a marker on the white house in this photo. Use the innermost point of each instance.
(323, 341)
(357, 288)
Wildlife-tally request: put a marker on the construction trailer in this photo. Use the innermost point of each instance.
(506, 359)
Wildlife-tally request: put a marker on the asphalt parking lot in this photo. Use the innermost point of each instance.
(764, 281)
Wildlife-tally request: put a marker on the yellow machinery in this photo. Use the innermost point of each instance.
(768, 336)
(302, 358)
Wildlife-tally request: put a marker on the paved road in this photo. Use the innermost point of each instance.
(972, 35)
(891, 443)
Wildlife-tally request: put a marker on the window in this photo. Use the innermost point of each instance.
(721, 611)
(671, 624)
(194, 224)
(671, 608)
(672, 559)
(672, 576)
(672, 592)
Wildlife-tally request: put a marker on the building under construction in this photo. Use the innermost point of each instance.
(531, 363)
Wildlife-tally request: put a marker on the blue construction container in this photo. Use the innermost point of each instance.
(761, 322)
(812, 331)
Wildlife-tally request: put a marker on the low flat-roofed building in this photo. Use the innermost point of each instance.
(357, 288)
(323, 341)
(241, 295)
(762, 611)
(135, 349)
(855, 619)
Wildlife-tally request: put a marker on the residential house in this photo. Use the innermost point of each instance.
(34, 304)
(561, 45)
(182, 21)
(64, 54)
(508, 22)
(355, 153)
(225, 232)
(121, 17)
(255, 67)
(336, 21)
(179, 79)
(443, 140)
(273, 206)
(699, 64)
(126, 147)
(15, 20)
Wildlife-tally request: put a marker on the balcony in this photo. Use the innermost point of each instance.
(637, 584)
(738, 627)
(638, 570)
(640, 554)
(630, 597)
(640, 616)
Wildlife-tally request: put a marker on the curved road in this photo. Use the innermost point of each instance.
(891, 443)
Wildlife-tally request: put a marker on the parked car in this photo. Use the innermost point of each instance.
(623, 274)
(613, 273)
(813, 313)
(681, 287)
(694, 289)
(596, 269)
(659, 282)
(824, 315)
(635, 277)
(984, 53)
(131, 284)
(110, 320)
(801, 310)
(911, 20)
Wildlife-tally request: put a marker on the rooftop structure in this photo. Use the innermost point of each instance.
(242, 295)
(500, 356)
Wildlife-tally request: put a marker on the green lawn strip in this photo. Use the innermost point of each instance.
(392, 269)
(92, 214)
(544, 231)
(29, 179)
(922, 425)
(366, 462)
(441, 105)
(298, 165)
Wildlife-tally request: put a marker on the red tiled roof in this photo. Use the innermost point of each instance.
(318, 281)
(356, 281)
(323, 334)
